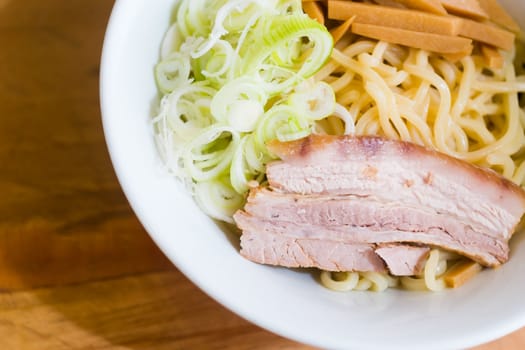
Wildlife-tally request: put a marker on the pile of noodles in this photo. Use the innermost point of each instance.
(465, 109)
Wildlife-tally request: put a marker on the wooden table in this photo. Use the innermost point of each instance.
(77, 270)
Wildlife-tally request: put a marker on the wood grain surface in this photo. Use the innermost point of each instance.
(77, 270)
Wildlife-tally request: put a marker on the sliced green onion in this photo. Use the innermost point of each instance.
(243, 115)
(289, 7)
(192, 18)
(173, 73)
(316, 100)
(209, 155)
(172, 41)
(283, 123)
(244, 88)
(256, 157)
(239, 172)
(218, 199)
(220, 61)
(186, 111)
(218, 30)
(342, 113)
(229, 75)
(276, 33)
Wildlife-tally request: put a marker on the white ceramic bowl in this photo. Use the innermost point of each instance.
(287, 302)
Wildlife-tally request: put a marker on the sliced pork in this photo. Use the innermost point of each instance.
(398, 172)
(276, 249)
(403, 260)
(348, 203)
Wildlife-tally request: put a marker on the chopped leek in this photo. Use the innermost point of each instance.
(233, 75)
(296, 42)
(172, 73)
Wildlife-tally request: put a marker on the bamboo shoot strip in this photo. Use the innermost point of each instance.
(461, 273)
(412, 20)
(466, 8)
(314, 10)
(498, 15)
(339, 31)
(456, 56)
(432, 6)
(445, 44)
(487, 33)
(492, 56)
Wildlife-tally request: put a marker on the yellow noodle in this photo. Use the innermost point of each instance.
(464, 109)
(413, 95)
(341, 82)
(379, 281)
(519, 174)
(347, 283)
(465, 86)
(504, 162)
(432, 281)
(338, 127)
(411, 283)
(364, 284)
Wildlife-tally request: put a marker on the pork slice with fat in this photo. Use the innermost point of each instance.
(272, 249)
(403, 260)
(397, 171)
(371, 204)
(484, 249)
